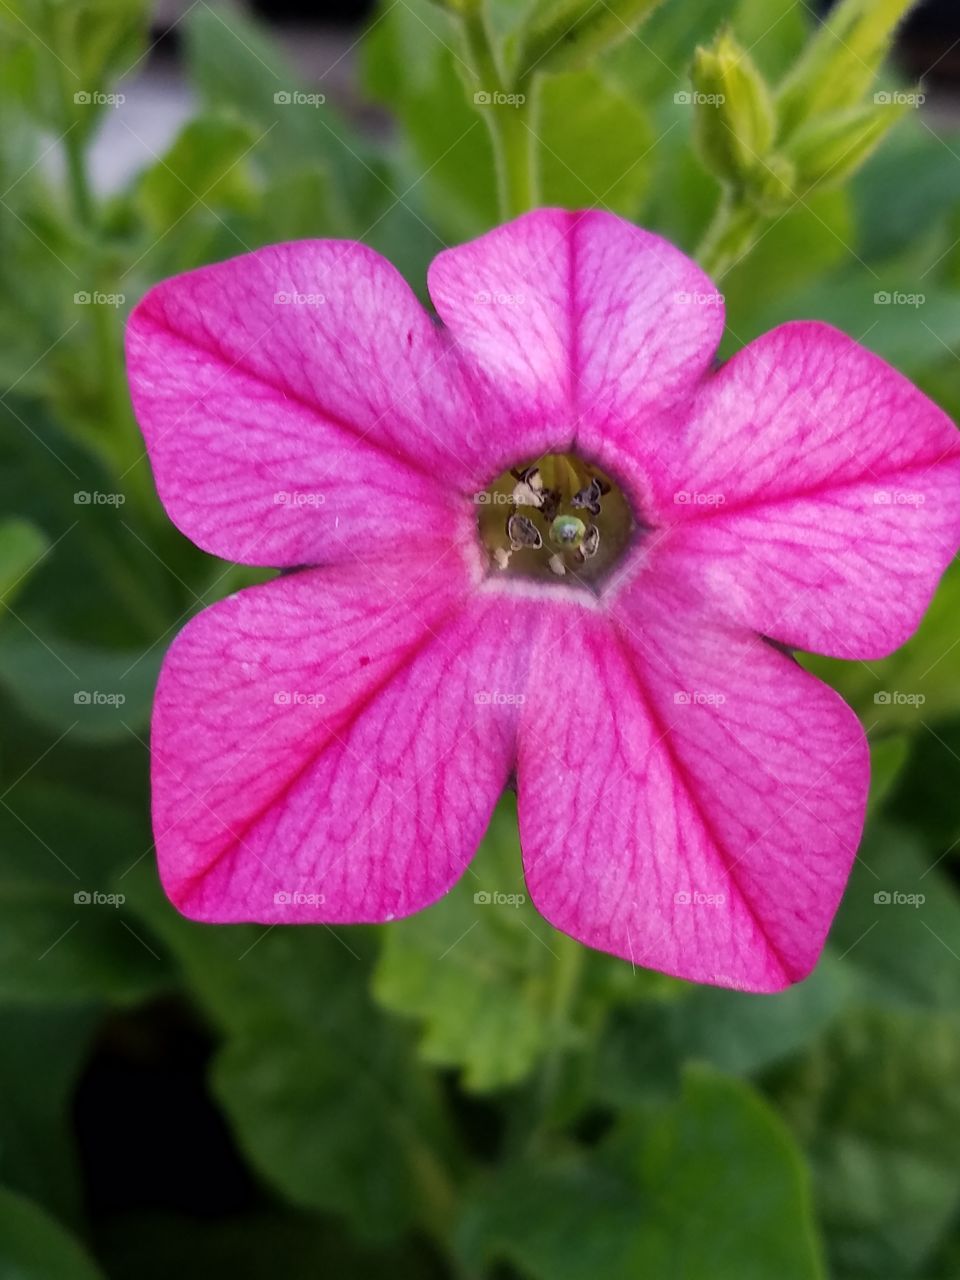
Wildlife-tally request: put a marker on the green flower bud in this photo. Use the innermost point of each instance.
(734, 124)
(841, 62)
(774, 187)
(829, 150)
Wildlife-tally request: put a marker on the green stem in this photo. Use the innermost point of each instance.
(83, 206)
(506, 108)
(566, 980)
(516, 163)
(125, 445)
(735, 229)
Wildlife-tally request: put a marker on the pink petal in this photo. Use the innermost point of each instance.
(583, 323)
(819, 495)
(708, 838)
(302, 431)
(325, 735)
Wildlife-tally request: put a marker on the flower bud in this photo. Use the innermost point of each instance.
(828, 150)
(841, 62)
(734, 124)
(774, 187)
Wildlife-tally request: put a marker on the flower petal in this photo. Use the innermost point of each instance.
(697, 803)
(324, 736)
(300, 407)
(586, 324)
(817, 495)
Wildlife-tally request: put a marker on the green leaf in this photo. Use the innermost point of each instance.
(906, 189)
(411, 66)
(711, 1190)
(799, 247)
(593, 141)
(878, 1111)
(96, 694)
(899, 923)
(888, 756)
(568, 35)
(60, 56)
(240, 72)
(202, 169)
(476, 969)
(297, 126)
(922, 802)
(42, 1051)
(312, 1081)
(310, 1106)
(645, 1048)
(63, 936)
(22, 546)
(33, 1246)
(918, 684)
(910, 327)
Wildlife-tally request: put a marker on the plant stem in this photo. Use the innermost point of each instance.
(566, 978)
(735, 229)
(83, 207)
(510, 133)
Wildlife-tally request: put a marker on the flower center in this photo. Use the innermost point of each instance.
(553, 517)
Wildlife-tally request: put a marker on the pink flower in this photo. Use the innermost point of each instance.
(329, 746)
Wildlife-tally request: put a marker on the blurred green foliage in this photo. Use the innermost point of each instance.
(458, 1094)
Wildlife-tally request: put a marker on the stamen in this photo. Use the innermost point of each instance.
(545, 532)
(591, 542)
(522, 532)
(589, 497)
